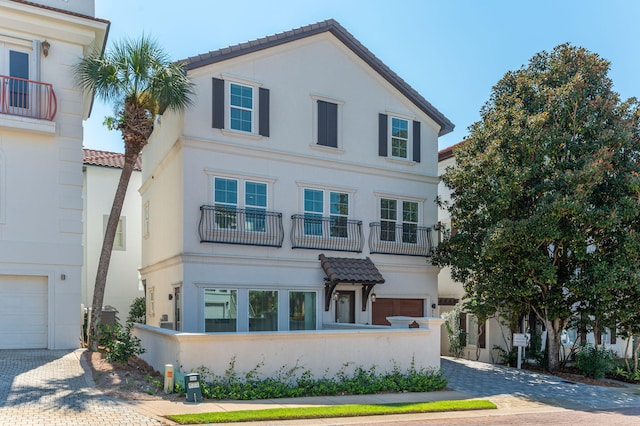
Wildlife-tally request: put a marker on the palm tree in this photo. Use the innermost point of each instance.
(139, 79)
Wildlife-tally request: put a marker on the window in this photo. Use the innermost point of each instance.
(226, 198)
(256, 206)
(398, 138)
(263, 310)
(226, 202)
(302, 310)
(241, 107)
(119, 241)
(472, 330)
(396, 215)
(220, 310)
(145, 226)
(319, 204)
(19, 89)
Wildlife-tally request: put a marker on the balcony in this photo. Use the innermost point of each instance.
(240, 226)
(326, 233)
(27, 98)
(406, 239)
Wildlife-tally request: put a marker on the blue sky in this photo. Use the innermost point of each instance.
(451, 51)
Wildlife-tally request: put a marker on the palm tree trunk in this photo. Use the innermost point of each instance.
(130, 158)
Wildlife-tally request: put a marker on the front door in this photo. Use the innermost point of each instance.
(345, 307)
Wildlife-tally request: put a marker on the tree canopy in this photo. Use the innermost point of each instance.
(545, 193)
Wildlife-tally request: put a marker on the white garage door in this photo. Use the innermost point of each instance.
(23, 312)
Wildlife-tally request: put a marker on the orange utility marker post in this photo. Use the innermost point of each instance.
(168, 378)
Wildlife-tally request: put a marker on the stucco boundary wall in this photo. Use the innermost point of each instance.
(322, 352)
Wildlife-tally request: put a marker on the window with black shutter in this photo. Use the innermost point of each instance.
(240, 105)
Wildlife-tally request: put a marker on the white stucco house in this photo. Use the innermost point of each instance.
(101, 173)
(41, 113)
(483, 338)
(295, 197)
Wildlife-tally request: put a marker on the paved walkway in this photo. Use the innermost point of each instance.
(490, 381)
(42, 387)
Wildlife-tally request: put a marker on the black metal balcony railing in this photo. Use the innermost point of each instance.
(405, 239)
(240, 226)
(27, 98)
(326, 233)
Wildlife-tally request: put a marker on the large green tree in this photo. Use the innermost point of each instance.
(545, 193)
(142, 83)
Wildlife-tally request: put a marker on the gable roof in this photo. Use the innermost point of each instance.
(332, 26)
(107, 159)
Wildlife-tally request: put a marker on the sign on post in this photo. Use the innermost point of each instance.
(520, 340)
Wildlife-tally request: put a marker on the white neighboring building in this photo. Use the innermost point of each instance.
(297, 189)
(101, 175)
(41, 113)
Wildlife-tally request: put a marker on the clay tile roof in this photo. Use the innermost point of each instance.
(107, 159)
(447, 153)
(332, 26)
(347, 270)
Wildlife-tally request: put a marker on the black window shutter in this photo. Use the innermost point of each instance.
(482, 341)
(416, 141)
(322, 122)
(218, 103)
(613, 335)
(263, 105)
(382, 135)
(327, 124)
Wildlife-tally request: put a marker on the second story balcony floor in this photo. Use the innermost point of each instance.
(27, 98)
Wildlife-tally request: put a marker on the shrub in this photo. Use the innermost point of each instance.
(119, 344)
(138, 311)
(286, 383)
(595, 362)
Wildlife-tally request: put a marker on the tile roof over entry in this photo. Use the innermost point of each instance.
(107, 159)
(347, 270)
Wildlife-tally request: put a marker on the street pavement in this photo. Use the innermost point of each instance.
(41, 387)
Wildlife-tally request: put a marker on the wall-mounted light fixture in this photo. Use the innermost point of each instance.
(336, 294)
(373, 297)
(63, 277)
(170, 296)
(433, 306)
(45, 48)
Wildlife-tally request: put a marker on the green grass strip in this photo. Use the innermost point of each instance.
(352, 410)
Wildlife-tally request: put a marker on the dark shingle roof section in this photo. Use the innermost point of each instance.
(347, 270)
(332, 26)
(107, 159)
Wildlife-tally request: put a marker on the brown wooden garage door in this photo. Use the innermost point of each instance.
(383, 308)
